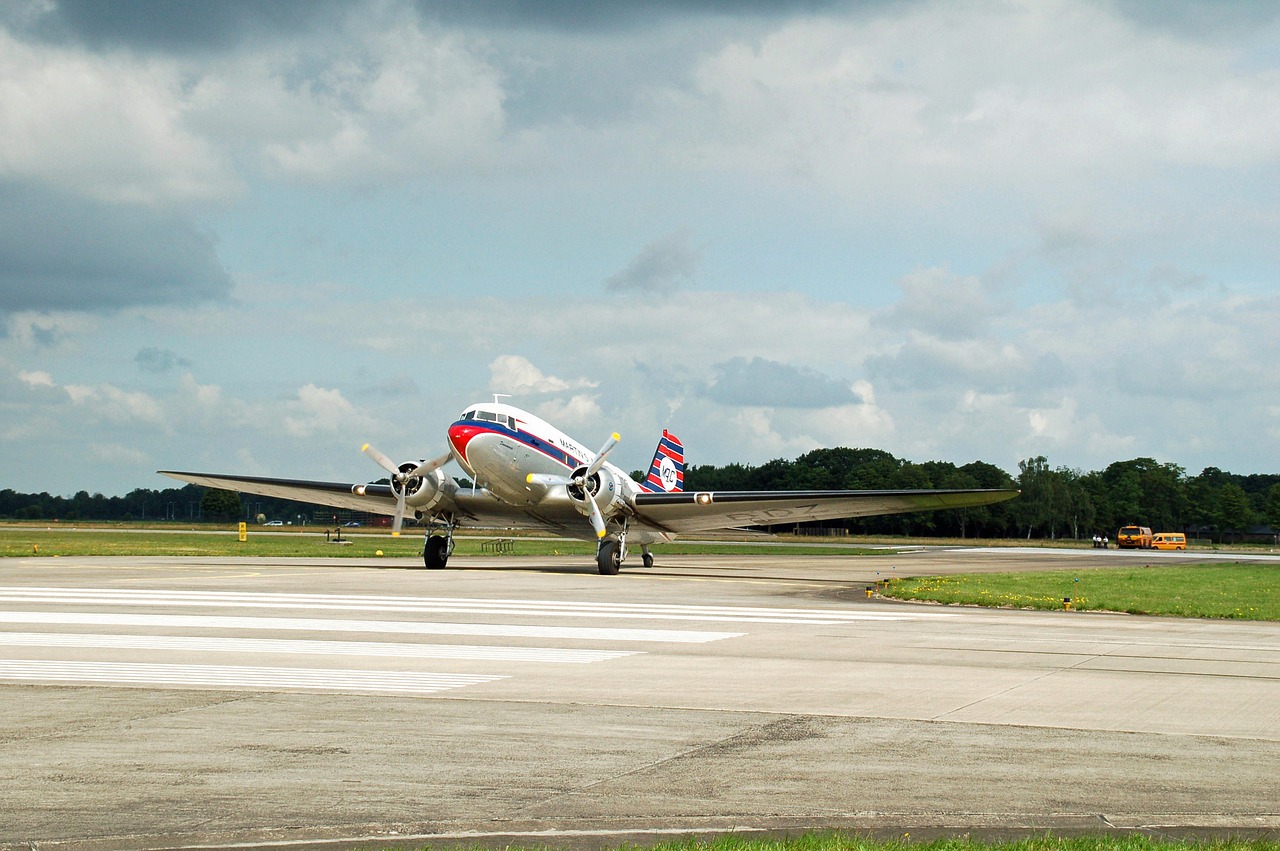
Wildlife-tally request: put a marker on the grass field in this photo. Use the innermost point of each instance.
(1240, 590)
(1047, 842)
(52, 541)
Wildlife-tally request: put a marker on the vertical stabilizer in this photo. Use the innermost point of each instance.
(666, 473)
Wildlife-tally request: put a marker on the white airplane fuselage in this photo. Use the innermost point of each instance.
(499, 446)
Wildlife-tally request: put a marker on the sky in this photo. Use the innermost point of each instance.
(245, 237)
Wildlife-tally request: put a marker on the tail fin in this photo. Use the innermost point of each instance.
(666, 473)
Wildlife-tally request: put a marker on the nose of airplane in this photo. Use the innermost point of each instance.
(460, 435)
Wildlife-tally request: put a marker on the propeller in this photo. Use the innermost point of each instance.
(402, 477)
(580, 479)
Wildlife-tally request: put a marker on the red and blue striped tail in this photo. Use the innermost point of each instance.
(666, 473)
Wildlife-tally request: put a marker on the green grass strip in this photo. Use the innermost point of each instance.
(1237, 590)
(44, 541)
(1047, 842)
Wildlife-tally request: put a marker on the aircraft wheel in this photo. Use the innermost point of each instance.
(648, 559)
(609, 558)
(436, 554)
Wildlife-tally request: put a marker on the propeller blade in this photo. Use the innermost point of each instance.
(399, 521)
(600, 456)
(381, 460)
(432, 465)
(597, 519)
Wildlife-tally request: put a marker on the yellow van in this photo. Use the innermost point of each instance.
(1169, 541)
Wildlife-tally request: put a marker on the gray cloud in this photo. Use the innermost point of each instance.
(156, 360)
(59, 252)
(766, 383)
(575, 16)
(662, 266)
(173, 27)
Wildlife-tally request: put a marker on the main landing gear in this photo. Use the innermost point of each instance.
(437, 549)
(609, 557)
(611, 551)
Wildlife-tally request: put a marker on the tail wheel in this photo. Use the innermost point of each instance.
(436, 553)
(609, 558)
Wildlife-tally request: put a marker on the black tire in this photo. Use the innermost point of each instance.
(436, 553)
(648, 559)
(609, 558)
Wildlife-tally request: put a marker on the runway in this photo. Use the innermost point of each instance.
(167, 702)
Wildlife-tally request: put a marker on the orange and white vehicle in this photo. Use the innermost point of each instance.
(1134, 538)
(1168, 541)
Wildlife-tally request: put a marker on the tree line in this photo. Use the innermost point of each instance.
(1055, 502)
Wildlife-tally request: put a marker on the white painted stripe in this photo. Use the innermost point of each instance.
(547, 608)
(230, 676)
(341, 625)
(334, 648)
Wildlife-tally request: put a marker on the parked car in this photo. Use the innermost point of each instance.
(274, 523)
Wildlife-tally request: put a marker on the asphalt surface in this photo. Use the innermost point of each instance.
(164, 702)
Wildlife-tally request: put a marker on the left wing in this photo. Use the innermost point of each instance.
(681, 513)
(477, 509)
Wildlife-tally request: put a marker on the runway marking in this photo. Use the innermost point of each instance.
(231, 676)
(534, 608)
(120, 608)
(336, 648)
(341, 625)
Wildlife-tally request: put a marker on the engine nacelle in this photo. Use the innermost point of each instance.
(605, 487)
(423, 493)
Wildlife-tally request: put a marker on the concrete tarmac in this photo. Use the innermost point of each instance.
(168, 702)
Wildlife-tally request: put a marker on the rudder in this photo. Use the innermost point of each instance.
(666, 473)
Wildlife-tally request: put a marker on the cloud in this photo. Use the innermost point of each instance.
(148, 24)
(517, 376)
(118, 405)
(764, 383)
(110, 127)
(151, 359)
(663, 266)
(943, 305)
(317, 411)
(60, 252)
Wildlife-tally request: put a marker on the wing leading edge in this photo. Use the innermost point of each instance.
(681, 513)
(477, 510)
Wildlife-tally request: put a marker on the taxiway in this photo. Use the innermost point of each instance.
(168, 702)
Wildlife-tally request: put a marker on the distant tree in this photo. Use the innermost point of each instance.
(1233, 512)
(220, 505)
(1273, 508)
(1035, 506)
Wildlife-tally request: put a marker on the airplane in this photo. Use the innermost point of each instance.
(526, 473)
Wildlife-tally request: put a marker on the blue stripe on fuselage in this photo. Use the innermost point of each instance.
(553, 452)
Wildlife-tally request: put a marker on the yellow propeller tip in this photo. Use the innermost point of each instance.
(395, 534)
(601, 534)
(617, 436)
(529, 479)
(364, 448)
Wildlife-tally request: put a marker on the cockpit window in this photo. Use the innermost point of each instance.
(490, 417)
